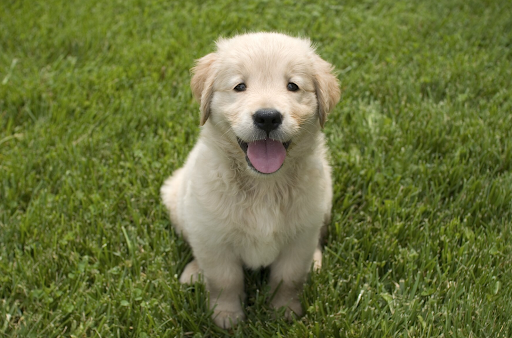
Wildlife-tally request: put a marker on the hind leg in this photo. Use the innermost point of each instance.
(191, 273)
(170, 193)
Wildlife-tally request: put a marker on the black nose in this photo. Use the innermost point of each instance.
(267, 119)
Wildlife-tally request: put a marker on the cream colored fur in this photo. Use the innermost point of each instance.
(233, 216)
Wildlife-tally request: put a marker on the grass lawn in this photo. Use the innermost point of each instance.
(96, 111)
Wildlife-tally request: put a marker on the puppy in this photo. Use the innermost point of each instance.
(256, 188)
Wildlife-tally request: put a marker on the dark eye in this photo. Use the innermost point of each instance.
(292, 87)
(241, 87)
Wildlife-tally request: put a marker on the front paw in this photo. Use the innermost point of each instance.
(293, 307)
(227, 319)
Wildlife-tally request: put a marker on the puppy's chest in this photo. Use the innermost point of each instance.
(270, 214)
(259, 240)
(263, 226)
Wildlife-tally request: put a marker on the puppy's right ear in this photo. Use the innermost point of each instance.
(202, 83)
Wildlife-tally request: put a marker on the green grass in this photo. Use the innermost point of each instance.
(96, 111)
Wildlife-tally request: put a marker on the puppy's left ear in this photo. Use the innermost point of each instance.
(327, 88)
(202, 83)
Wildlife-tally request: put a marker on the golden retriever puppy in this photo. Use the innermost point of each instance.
(256, 188)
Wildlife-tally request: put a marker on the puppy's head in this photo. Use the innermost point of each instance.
(265, 91)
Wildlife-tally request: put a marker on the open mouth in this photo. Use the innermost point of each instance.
(265, 156)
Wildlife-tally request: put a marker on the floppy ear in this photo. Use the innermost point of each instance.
(327, 88)
(202, 83)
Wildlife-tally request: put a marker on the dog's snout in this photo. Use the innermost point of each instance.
(267, 119)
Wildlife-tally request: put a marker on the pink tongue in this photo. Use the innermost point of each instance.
(267, 156)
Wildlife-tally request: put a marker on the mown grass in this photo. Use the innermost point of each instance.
(96, 111)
